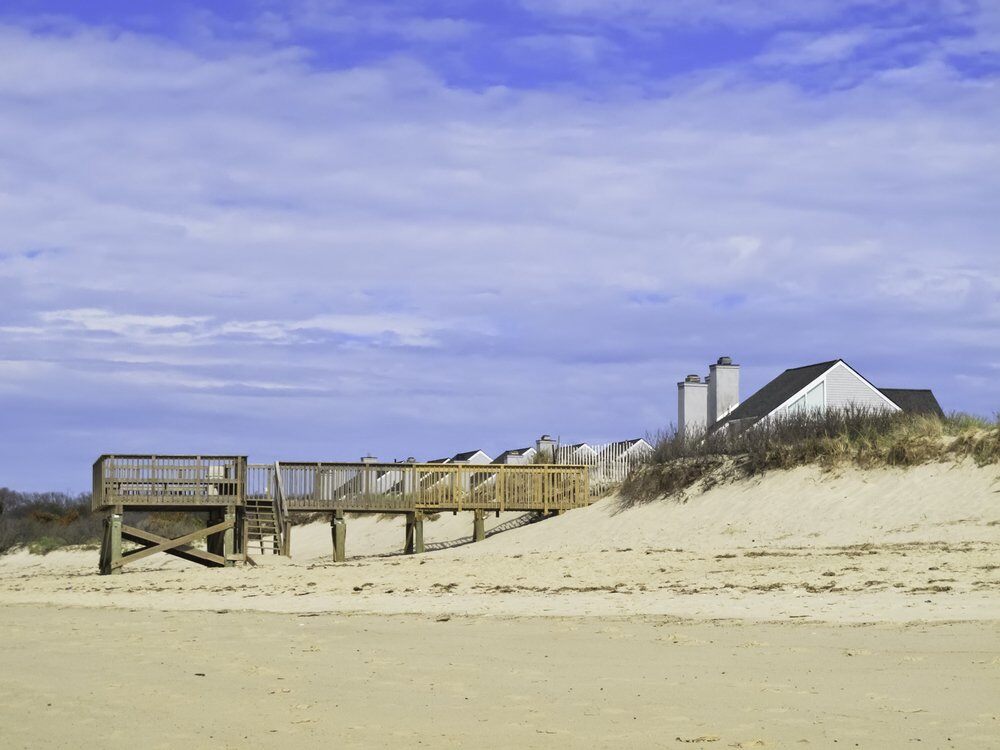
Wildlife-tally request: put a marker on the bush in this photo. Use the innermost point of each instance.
(860, 437)
(46, 520)
(45, 545)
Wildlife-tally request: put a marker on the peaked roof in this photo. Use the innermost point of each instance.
(466, 455)
(624, 445)
(512, 452)
(914, 400)
(777, 392)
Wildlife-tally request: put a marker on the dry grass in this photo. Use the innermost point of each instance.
(861, 438)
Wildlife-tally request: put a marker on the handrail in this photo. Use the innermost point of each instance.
(280, 507)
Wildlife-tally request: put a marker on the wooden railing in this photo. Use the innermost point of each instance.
(413, 486)
(192, 481)
(162, 481)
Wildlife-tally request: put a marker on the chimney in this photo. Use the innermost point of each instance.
(692, 406)
(546, 446)
(723, 389)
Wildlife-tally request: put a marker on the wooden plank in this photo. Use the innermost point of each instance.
(162, 544)
(185, 552)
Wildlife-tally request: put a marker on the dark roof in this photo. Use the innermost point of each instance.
(512, 452)
(439, 460)
(777, 392)
(914, 400)
(465, 456)
(623, 444)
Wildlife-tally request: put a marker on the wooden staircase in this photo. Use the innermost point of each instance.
(265, 522)
(263, 530)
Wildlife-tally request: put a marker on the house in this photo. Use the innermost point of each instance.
(578, 453)
(715, 403)
(470, 457)
(517, 456)
(625, 450)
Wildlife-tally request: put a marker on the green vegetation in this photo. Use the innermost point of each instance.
(45, 521)
(853, 437)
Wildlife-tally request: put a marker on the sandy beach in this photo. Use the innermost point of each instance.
(856, 609)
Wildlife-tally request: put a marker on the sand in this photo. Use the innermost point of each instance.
(861, 607)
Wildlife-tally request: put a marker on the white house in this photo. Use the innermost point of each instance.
(625, 450)
(579, 453)
(826, 385)
(470, 457)
(516, 456)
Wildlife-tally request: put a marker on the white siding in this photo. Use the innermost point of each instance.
(844, 389)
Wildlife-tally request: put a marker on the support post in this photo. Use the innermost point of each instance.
(338, 530)
(111, 545)
(414, 533)
(229, 536)
(479, 526)
(215, 543)
(286, 539)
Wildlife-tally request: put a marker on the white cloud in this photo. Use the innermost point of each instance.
(153, 330)
(373, 240)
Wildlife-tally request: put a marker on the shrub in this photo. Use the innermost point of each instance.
(860, 437)
(45, 545)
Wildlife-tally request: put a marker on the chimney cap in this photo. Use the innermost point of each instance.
(692, 378)
(725, 361)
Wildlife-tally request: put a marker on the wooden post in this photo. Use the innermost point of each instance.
(215, 543)
(229, 536)
(244, 532)
(414, 533)
(479, 526)
(411, 528)
(338, 530)
(111, 544)
(286, 539)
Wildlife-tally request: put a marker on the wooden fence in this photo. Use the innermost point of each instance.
(608, 464)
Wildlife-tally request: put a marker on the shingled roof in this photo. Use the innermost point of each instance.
(914, 400)
(502, 458)
(775, 393)
(466, 455)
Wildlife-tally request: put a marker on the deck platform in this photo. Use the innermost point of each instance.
(249, 504)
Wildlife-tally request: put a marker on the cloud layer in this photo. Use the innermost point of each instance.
(257, 234)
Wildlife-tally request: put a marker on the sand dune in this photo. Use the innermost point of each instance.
(887, 545)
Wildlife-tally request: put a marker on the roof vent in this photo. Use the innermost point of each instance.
(692, 379)
(725, 361)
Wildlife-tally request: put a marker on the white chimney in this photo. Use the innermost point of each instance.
(692, 406)
(546, 446)
(723, 389)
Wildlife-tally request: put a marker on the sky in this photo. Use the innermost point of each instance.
(316, 230)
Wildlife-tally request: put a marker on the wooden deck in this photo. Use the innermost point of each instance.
(249, 504)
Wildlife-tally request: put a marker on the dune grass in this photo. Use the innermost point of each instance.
(856, 437)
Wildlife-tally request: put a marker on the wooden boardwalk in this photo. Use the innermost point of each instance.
(248, 504)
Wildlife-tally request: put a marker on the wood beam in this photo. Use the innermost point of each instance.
(157, 543)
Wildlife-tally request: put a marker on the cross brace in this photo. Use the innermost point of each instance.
(179, 547)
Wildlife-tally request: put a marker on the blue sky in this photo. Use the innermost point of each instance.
(317, 229)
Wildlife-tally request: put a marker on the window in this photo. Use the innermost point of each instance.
(814, 400)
